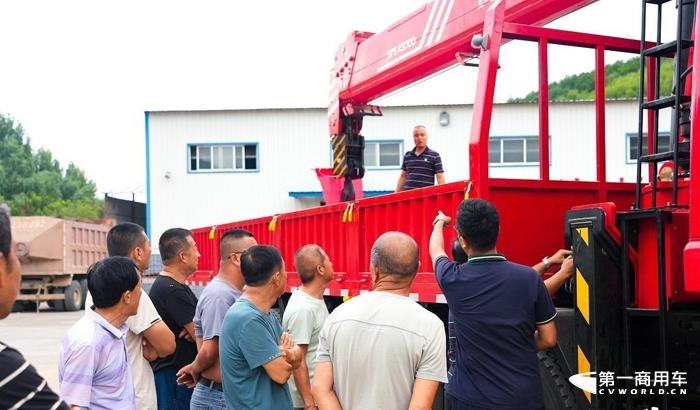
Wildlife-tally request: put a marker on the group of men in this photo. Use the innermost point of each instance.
(169, 350)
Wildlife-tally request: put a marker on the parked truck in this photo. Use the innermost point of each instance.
(629, 323)
(55, 255)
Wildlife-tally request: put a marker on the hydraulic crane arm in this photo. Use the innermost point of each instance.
(430, 39)
(368, 66)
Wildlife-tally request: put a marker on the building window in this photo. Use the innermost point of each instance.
(633, 140)
(514, 150)
(223, 157)
(383, 154)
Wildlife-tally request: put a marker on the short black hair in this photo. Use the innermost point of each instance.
(109, 278)
(306, 267)
(172, 242)
(259, 263)
(124, 238)
(478, 223)
(5, 232)
(232, 235)
(458, 253)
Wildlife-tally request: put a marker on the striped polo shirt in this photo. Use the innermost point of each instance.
(93, 369)
(421, 169)
(21, 387)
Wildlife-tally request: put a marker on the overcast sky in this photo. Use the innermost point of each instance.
(79, 74)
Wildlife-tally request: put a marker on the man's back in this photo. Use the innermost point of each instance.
(496, 305)
(379, 343)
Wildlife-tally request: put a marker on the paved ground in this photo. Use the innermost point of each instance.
(38, 336)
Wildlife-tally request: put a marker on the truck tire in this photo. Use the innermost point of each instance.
(24, 306)
(73, 297)
(556, 389)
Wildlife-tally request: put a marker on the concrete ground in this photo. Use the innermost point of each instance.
(38, 337)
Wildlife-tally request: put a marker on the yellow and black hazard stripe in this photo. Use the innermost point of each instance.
(339, 143)
(583, 255)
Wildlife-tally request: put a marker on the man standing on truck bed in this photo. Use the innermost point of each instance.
(421, 165)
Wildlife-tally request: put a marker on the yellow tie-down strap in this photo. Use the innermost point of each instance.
(348, 212)
(273, 223)
(468, 191)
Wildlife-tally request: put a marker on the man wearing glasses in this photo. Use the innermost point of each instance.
(204, 373)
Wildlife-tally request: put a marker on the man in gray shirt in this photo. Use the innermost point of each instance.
(381, 349)
(204, 374)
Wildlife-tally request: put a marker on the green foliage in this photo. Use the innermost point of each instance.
(33, 183)
(621, 81)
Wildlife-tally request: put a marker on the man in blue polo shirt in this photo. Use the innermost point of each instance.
(421, 165)
(503, 315)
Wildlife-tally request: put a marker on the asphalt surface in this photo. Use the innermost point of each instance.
(38, 337)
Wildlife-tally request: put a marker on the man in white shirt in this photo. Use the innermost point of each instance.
(148, 336)
(381, 349)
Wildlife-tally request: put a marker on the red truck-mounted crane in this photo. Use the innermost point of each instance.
(633, 308)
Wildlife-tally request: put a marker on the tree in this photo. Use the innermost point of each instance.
(33, 183)
(621, 81)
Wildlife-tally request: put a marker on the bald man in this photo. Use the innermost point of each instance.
(204, 374)
(304, 317)
(421, 166)
(401, 344)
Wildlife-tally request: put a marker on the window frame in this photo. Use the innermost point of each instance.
(378, 168)
(387, 167)
(233, 145)
(524, 138)
(628, 146)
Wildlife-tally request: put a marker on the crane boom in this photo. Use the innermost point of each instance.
(368, 66)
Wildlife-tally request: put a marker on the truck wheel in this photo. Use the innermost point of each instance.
(74, 297)
(57, 305)
(557, 391)
(24, 306)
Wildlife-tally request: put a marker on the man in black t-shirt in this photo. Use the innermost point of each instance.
(21, 386)
(176, 303)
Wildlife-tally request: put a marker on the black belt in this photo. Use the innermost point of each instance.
(211, 384)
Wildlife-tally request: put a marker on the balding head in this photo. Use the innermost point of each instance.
(310, 261)
(396, 254)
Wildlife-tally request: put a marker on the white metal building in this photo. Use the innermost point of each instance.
(211, 167)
